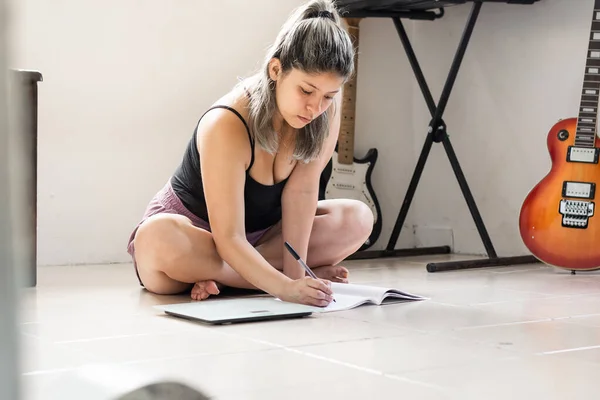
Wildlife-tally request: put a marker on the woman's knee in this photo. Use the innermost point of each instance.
(356, 219)
(157, 238)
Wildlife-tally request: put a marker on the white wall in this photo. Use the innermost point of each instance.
(142, 72)
(129, 71)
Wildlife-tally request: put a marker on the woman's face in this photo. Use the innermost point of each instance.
(302, 97)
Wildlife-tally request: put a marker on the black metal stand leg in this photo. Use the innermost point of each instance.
(390, 251)
(437, 133)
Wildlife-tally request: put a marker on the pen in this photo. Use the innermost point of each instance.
(297, 257)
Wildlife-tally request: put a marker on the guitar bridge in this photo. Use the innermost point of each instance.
(576, 213)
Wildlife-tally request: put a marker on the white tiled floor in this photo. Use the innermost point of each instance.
(511, 332)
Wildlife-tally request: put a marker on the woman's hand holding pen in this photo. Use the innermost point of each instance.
(309, 291)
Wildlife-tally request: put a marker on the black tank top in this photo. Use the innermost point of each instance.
(262, 203)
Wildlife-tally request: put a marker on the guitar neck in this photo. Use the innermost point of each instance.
(346, 136)
(588, 107)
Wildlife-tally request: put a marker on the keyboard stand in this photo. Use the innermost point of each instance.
(437, 132)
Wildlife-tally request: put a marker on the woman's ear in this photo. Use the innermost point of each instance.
(274, 69)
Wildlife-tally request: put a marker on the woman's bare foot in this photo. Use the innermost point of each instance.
(333, 273)
(203, 289)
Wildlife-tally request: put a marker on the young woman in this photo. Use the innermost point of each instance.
(249, 179)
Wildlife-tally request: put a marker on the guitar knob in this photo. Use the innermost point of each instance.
(563, 135)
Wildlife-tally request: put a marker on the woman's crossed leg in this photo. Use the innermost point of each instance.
(173, 256)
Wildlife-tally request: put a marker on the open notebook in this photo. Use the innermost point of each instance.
(350, 295)
(219, 310)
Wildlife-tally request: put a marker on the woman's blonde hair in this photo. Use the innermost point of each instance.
(313, 41)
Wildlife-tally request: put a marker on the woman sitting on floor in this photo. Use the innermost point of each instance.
(249, 179)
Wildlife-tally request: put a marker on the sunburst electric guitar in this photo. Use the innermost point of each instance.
(345, 176)
(558, 221)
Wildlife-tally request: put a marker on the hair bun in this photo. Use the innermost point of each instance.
(323, 14)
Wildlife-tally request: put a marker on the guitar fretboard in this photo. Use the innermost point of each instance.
(588, 107)
(346, 136)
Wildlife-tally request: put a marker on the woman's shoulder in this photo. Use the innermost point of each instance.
(231, 108)
(224, 124)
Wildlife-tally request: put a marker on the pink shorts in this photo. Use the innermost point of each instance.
(166, 201)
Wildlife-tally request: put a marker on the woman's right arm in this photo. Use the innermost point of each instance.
(224, 149)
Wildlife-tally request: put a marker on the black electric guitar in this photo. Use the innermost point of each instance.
(347, 177)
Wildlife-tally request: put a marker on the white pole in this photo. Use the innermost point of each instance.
(9, 355)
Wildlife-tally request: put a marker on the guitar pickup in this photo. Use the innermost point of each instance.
(580, 190)
(344, 170)
(344, 186)
(587, 155)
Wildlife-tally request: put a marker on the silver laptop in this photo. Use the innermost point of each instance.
(224, 311)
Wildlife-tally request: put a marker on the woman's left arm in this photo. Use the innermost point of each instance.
(300, 197)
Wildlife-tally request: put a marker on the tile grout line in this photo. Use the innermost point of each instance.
(349, 365)
(139, 361)
(99, 338)
(549, 319)
(504, 324)
(48, 371)
(544, 297)
(569, 350)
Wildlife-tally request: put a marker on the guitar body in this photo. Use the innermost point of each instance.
(561, 228)
(353, 181)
